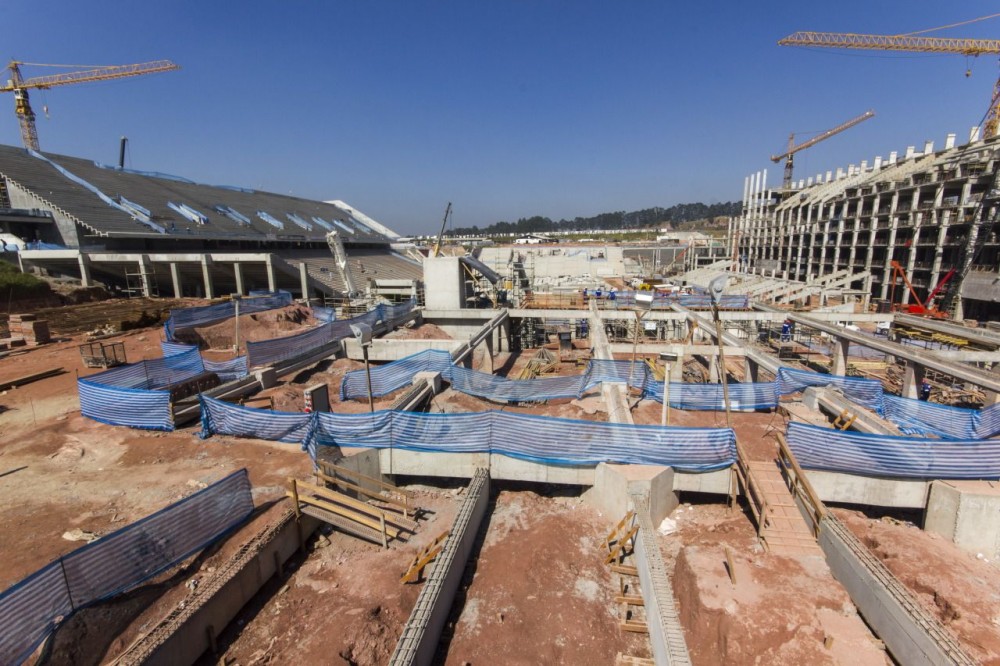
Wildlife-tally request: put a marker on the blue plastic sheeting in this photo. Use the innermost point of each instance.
(128, 395)
(917, 417)
(636, 374)
(536, 438)
(491, 387)
(742, 397)
(392, 376)
(867, 392)
(114, 405)
(267, 352)
(218, 417)
(902, 457)
(663, 300)
(988, 422)
(209, 314)
(32, 609)
(324, 314)
(270, 219)
(234, 368)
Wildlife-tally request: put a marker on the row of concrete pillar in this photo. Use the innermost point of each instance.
(146, 273)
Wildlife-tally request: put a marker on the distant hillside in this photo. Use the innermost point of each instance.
(675, 217)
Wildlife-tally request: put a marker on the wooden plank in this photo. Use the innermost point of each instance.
(624, 570)
(27, 379)
(340, 498)
(368, 493)
(635, 627)
(346, 513)
(631, 600)
(370, 479)
(619, 548)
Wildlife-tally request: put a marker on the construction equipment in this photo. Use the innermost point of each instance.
(789, 153)
(20, 86)
(918, 308)
(912, 43)
(444, 223)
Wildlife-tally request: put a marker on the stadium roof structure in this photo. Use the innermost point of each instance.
(124, 203)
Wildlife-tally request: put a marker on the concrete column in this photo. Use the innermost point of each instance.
(145, 271)
(238, 274)
(751, 370)
(840, 355)
(713, 369)
(272, 284)
(488, 355)
(84, 261)
(175, 277)
(913, 374)
(304, 279)
(206, 275)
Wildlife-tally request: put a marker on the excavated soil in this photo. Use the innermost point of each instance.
(344, 603)
(780, 610)
(540, 592)
(960, 588)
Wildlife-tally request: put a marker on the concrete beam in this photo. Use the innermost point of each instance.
(383, 349)
(834, 403)
(906, 352)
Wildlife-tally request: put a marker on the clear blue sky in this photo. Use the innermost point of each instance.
(507, 108)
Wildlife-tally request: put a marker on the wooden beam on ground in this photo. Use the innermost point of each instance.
(27, 379)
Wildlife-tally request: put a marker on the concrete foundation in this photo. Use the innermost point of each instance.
(613, 485)
(967, 513)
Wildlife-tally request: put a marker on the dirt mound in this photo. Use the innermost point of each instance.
(782, 611)
(253, 328)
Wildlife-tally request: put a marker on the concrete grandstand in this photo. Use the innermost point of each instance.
(154, 234)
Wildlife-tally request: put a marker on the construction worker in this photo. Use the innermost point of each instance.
(786, 331)
(925, 390)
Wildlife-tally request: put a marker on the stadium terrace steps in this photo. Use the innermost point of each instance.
(155, 192)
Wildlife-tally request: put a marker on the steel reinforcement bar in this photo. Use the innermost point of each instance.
(665, 633)
(422, 632)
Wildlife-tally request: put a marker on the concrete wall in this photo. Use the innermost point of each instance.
(851, 489)
(443, 283)
(383, 349)
(966, 512)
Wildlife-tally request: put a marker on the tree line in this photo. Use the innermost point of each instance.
(638, 219)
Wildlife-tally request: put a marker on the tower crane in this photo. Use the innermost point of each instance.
(20, 86)
(912, 43)
(789, 153)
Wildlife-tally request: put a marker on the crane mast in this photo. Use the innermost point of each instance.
(18, 85)
(789, 153)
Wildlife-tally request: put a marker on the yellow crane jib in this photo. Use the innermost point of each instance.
(912, 43)
(20, 86)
